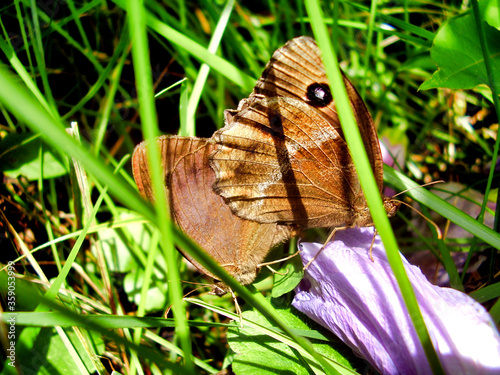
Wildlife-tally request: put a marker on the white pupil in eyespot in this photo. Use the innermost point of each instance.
(319, 93)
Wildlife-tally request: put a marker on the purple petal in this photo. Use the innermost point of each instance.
(359, 301)
(393, 154)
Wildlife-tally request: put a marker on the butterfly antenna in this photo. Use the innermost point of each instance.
(438, 230)
(278, 260)
(418, 187)
(237, 307)
(373, 243)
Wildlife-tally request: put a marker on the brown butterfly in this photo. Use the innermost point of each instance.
(282, 157)
(237, 244)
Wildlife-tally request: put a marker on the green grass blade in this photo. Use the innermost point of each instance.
(140, 55)
(367, 179)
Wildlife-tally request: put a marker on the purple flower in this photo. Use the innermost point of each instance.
(394, 156)
(359, 301)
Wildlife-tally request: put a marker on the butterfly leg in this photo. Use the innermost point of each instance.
(237, 307)
(371, 246)
(267, 264)
(331, 237)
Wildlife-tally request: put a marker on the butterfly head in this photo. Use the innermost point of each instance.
(218, 288)
(391, 206)
(363, 218)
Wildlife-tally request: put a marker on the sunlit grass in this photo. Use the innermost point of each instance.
(72, 61)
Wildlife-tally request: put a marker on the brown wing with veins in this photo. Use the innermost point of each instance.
(279, 160)
(296, 71)
(282, 156)
(237, 244)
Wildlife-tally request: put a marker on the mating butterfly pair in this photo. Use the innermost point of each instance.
(280, 162)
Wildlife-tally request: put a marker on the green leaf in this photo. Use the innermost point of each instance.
(50, 354)
(288, 277)
(116, 245)
(123, 255)
(490, 12)
(19, 155)
(457, 53)
(257, 353)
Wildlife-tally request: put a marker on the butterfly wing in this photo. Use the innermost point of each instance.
(238, 244)
(279, 160)
(305, 175)
(296, 71)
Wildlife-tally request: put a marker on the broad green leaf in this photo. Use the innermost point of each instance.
(19, 155)
(257, 353)
(287, 277)
(457, 53)
(490, 12)
(50, 355)
(124, 254)
(118, 247)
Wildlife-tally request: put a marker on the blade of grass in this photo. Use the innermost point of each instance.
(140, 55)
(148, 272)
(369, 38)
(40, 58)
(180, 40)
(28, 336)
(275, 334)
(174, 349)
(244, 292)
(76, 18)
(201, 79)
(113, 225)
(427, 36)
(367, 180)
(48, 226)
(120, 51)
(183, 109)
(109, 100)
(445, 209)
(102, 325)
(21, 70)
(493, 83)
(23, 105)
(58, 27)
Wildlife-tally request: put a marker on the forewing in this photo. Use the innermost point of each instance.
(280, 160)
(296, 71)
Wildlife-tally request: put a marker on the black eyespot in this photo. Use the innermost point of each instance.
(319, 94)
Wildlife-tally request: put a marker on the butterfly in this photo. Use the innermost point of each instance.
(280, 162)
(237, 244)
(282, 157)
